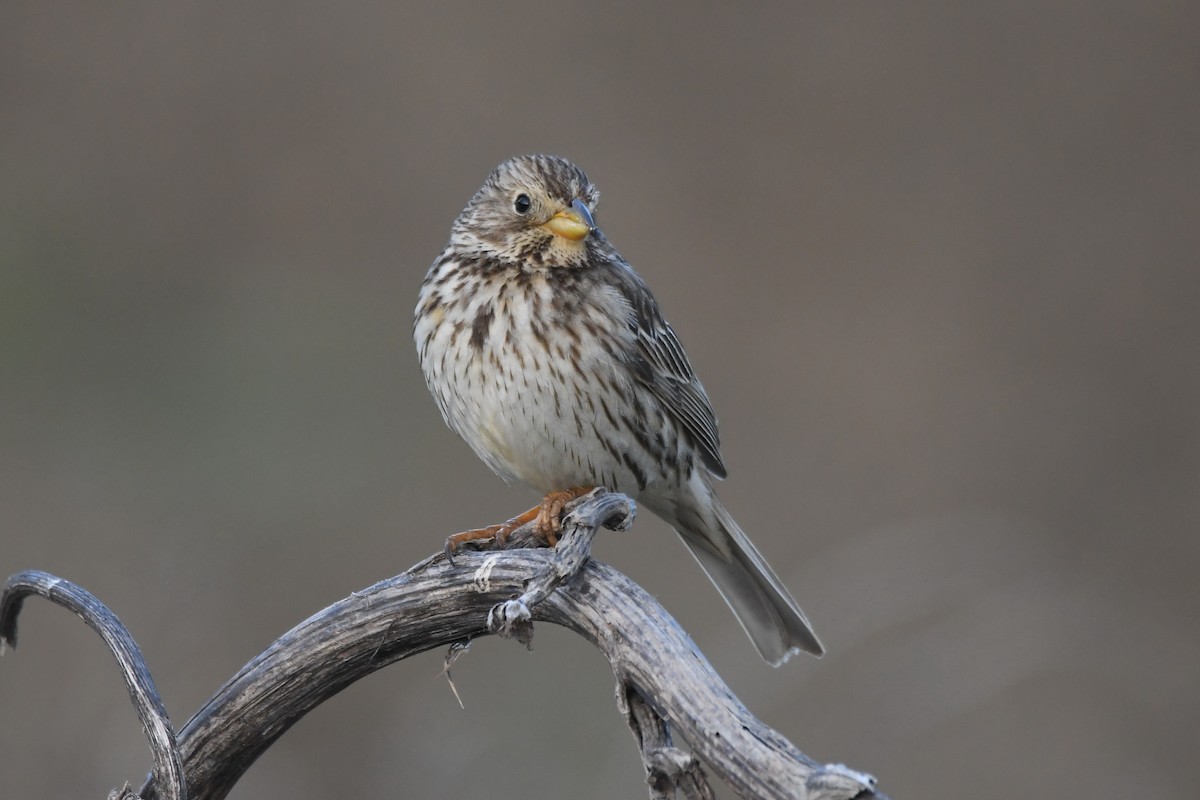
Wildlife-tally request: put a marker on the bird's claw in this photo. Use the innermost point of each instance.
(546, 518)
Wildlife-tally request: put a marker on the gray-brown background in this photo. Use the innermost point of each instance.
(937, 267)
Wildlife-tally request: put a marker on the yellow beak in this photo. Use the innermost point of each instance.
(574, 223)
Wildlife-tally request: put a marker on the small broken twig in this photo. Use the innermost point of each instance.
(669, 770)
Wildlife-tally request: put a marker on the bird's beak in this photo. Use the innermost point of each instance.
(574, 223)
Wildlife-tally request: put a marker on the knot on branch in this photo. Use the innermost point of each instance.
(512, 620)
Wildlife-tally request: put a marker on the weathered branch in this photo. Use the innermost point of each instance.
(660, 673)
(168, 768)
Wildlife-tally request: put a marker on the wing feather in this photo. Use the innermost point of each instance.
(663, 367)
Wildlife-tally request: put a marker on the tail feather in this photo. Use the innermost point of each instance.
(768, 614)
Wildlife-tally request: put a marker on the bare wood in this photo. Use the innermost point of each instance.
(168, 767)
(669, 770)
(661, 675)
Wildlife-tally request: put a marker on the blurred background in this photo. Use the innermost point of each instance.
(936, 265)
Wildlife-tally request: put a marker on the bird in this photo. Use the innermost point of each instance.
(550, 357)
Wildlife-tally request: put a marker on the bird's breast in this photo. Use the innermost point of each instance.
(531, 373)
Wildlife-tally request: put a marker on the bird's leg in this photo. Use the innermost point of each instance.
(545, 516)
(499, 533)
(549, 513)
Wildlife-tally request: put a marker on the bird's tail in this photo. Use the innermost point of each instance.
(768, 614)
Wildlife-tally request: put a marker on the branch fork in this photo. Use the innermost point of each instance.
(582, 518)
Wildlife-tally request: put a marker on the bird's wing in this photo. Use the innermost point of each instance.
(663, 367)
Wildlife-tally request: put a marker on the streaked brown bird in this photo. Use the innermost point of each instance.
(547, 353)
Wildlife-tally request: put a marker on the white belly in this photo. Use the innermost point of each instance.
(516, 394)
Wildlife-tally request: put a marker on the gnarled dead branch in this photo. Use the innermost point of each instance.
(660, 673)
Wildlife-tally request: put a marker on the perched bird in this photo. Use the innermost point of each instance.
(547, 353)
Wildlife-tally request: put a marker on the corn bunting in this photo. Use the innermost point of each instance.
(547, 353)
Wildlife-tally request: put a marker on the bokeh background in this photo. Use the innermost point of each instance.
(937, 265)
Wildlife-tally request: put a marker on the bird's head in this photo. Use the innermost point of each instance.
(534, 210)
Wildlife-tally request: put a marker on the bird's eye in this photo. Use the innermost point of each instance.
(522, 204)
